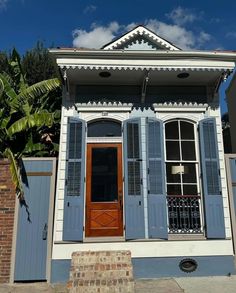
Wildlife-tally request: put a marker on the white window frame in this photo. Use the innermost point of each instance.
(196, 162)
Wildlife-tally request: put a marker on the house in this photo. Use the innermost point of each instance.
(141, 161)
(230, 96)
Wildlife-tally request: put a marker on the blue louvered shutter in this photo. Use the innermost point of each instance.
(213, 201)
(157, 207)
(134, 209)
(74, 184)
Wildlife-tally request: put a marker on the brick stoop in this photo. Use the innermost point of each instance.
(101, 272)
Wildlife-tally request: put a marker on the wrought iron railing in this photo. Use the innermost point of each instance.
(184, 214)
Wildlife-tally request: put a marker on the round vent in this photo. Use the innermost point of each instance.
(188, 265)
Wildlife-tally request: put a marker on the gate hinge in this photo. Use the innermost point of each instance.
(66, 181)
(83, 228)
(148, 170)
(124, 227)
(84, 179)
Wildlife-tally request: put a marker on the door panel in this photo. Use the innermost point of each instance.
(31, 243)
(104, 198)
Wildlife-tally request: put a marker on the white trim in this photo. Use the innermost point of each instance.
(104, 139)
(180, 107)
(74, 53)
(141, 31)
(50, 218)
(93, 115)
(103, 107)
(150, 65)
(180, 161)
(14, 240)
(232, 214)
(150, 248)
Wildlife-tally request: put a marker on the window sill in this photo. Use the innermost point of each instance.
(187, 237)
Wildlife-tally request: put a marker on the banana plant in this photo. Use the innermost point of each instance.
(24, 116)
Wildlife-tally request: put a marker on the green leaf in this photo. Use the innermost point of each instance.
(33, 147)
(33, 120)
(18, 126)
(15, 173)
(39, 89)
(7, 88)
(55, 147)
(15, 63)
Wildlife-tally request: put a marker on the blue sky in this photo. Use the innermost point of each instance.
(205, 25)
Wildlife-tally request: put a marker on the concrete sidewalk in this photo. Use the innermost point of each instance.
(172, 285)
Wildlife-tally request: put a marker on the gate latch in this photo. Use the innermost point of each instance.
(45, 231)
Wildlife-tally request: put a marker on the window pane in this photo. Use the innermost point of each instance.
(172, 178)
(188, 150)
(212, 173)
(189, 175)
(75, 140)
(173, 189)
(133, 140)
(186, 130)
(103, 128)
(104, 174)
(134, 187)
(172, 150)
(155, 177)
(190, 189)
(74, 177)
(172, 131)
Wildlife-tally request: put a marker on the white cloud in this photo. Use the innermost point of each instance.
(3, 4)
(231, 35)
(181, 16)
(179, 36)
(96, 37)
(203, 38)
(89, 9)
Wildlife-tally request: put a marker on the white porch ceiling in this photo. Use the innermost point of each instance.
(135, 77)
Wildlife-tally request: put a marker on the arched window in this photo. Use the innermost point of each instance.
(104, 128)
(183, 194)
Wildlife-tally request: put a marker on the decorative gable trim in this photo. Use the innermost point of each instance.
(142, 31)
(180, 106)
(103, 107)
(143, 67)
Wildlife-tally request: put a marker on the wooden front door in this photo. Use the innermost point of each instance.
(104, 195)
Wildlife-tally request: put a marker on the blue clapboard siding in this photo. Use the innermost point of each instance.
(213, 201)
(134, 207)
(74, 189)
(31, 244)
(157, 207)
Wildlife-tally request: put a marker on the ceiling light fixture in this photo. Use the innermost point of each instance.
(183, 75)
(105, 74)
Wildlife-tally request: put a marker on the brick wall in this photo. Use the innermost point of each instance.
(7, 210)
(101, 272)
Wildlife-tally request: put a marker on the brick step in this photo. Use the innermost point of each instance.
(101, 271)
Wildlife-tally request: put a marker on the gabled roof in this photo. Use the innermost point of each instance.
(140, 38)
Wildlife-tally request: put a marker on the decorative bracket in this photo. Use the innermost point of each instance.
(144, 86)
